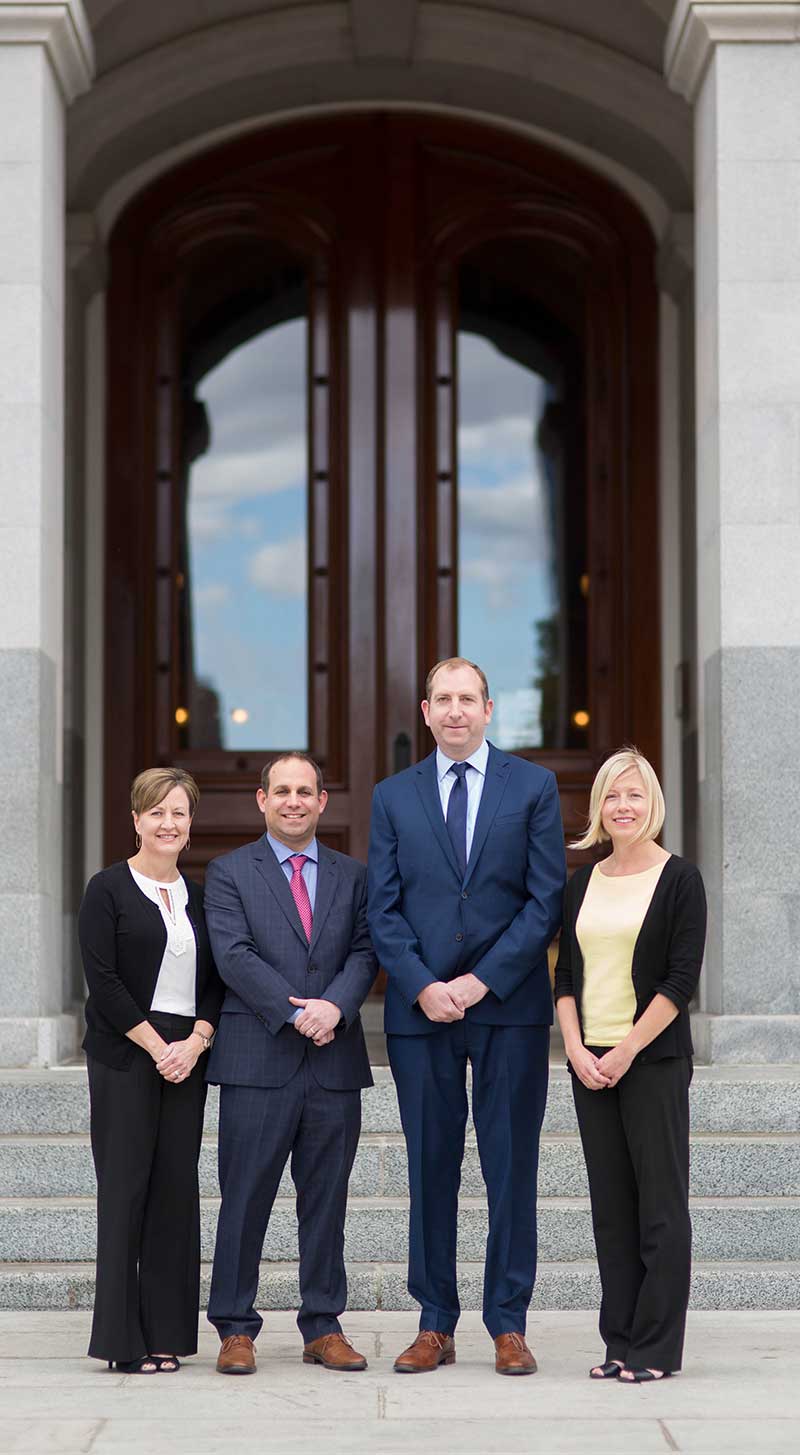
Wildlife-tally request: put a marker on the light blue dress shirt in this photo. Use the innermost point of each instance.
(283, 854)
(474, 779)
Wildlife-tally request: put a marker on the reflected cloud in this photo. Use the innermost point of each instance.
(214, 593)
(280, 568)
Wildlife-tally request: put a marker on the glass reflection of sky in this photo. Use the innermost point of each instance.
(506, 564)
(247, 521)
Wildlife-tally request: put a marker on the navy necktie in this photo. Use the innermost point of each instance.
(457, 816)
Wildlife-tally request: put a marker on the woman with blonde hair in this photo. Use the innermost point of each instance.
(154, 1001)
(629, 961)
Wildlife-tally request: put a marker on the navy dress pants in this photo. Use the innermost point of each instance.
(509, 1090)
(635, 1139)
(259, 1128)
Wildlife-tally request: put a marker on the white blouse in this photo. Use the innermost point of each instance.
(175, 988)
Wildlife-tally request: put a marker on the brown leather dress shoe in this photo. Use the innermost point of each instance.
(428, 1351)
(333, 1351)
(512, 1355)
(237, 1355)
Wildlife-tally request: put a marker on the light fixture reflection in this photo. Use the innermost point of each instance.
(239, 714)
(181, 715)
(580, 718)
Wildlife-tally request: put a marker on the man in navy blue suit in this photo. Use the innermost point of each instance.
(288, 926)
(466, 876)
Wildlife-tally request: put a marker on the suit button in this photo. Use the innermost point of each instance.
(312, 967)
(465, 895)
(459, 936)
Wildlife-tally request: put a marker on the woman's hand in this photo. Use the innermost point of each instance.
(588, 1068)
(180, 1058)
(616, 1062)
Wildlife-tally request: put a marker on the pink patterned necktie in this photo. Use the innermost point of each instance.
(300, 892)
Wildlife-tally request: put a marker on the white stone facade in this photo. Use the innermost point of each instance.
(693, 109)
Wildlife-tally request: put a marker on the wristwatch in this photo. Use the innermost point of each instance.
(205, 1039)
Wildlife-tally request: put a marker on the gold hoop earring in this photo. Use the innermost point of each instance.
(138, 841)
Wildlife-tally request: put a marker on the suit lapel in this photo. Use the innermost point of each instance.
(498, 769)
(276, 881)
(428, 789)
(327, 879)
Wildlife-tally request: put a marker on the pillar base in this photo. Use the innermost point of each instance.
(746, 1040)
(34, 1041)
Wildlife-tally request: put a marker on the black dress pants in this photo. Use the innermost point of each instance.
(635, 1139)
(145, 1142)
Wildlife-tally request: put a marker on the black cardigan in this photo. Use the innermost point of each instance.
(123, 936)
(667, 956)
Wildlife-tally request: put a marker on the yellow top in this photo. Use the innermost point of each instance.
(608, 927)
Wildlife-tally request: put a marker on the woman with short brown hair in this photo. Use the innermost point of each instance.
(153, 1005)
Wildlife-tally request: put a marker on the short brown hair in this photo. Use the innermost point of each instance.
(152, 784)
(456, 662)
(283, 758)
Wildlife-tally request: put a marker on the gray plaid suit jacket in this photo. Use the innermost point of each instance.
(263, 957)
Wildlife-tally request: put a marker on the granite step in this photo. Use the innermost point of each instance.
(760, 1099)
(376, 1230)
(731, 1165)
(572, 1285)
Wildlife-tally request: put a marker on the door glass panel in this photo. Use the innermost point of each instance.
(244, 614)
(522, 572)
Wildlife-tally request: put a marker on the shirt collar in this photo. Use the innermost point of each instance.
(477, 760)
(283, 852)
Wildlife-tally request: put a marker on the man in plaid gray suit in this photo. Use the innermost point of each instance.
(287, 922)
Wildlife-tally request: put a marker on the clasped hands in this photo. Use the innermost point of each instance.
(318, 1020)
(598, 1072)
(447, 1000)
(179, 1058)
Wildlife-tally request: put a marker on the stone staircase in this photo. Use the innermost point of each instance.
(745, 1185)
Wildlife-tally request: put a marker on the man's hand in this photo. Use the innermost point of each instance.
(467, 990)
(318, 1020)
(438, 1004)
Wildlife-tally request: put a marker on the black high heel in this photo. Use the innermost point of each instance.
(166, 1363)
(609, 1370)
(646, 1376)
(134, 1366)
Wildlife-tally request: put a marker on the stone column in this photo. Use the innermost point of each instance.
(45, 61)
(739, 65)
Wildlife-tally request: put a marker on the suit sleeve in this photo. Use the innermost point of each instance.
(97, 933)
(687, 938)
(258, 984)
(351, 985)
(396, 945)
(522, 946)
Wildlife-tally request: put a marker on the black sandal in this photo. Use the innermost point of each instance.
(646, 1376)
(609, 1370)
(134, 1366)
(166, 1363)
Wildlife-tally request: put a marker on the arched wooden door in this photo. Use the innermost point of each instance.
(382, 388)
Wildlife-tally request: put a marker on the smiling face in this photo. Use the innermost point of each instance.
(292, 803)
(164, 828)
(457, 714)
(626, 808)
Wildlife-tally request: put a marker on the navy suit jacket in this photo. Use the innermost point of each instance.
(427, 924)
(264, 957)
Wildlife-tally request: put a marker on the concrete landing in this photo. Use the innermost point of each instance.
(739, 1394)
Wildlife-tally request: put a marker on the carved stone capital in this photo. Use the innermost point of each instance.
(699, 25)
(675, 261)
(87, 262)
(63, 30)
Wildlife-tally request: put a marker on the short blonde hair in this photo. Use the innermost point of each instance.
(612, 769)
(450, 663)
(150, 786)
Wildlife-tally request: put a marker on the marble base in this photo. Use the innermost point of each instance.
(38, 1040)
(747, 1040)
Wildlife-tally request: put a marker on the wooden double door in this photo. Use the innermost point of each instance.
(382, 389)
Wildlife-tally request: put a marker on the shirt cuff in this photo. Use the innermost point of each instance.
(290, 1019)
